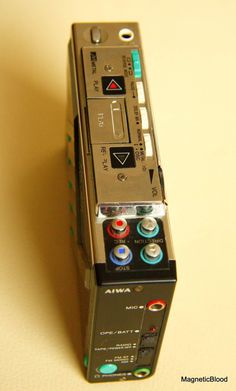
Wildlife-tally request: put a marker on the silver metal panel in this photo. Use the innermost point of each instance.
(107, 121)
(142, 182)
(106, 184)
(136, 187)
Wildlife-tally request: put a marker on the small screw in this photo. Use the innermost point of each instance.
(108, 68)
(122, 177)
(138, 288)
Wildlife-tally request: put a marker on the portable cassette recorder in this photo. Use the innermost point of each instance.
(119, 214)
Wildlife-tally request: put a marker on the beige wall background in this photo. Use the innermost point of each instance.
(190, 57)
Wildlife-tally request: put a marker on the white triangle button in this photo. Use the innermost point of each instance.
(121, 157)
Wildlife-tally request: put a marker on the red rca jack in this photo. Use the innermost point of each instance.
(156, 305)
(118, 229)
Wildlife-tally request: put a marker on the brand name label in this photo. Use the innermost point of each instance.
(117, 290)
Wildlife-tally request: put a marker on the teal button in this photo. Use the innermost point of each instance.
(107, 369)
(136, 64)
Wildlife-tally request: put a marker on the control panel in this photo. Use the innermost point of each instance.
(135, 244)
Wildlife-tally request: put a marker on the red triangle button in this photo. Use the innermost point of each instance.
(113, 85)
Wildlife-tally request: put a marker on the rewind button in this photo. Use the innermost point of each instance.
(122, 157)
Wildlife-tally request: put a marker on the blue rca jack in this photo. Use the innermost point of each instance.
(121, 255)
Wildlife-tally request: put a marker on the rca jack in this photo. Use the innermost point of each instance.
(148, 227)
(118, 229)
(156, 305)
(121, 255)
(151, 254)
(142, 372)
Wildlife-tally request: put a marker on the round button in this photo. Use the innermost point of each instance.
(119, 225)
(151, 253)
(108, 368)
(148, 227)
(121, 255)
(121, 252)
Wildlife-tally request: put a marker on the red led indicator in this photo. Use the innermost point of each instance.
(119, 223)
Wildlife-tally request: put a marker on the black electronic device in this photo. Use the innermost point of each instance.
(119, 217)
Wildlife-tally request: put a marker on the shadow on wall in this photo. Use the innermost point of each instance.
(34, 148)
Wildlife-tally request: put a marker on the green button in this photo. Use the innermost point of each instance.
(108, 368)
(71, 231)
(136, 64)
(71, 207)
(86, 361)
(68, 138)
